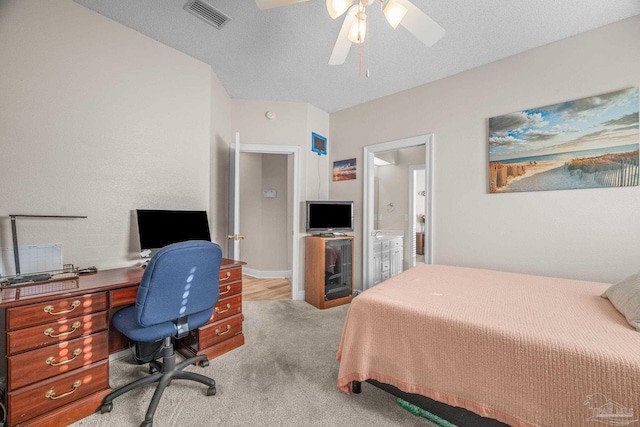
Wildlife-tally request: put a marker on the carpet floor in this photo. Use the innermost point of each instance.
(284, 375)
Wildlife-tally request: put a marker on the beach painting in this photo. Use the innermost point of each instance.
(344, 170)
(587, 143)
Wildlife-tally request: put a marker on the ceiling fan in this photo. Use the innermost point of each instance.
(354, 26)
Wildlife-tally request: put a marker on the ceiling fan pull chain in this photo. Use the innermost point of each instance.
(366, 58)
(360, 62)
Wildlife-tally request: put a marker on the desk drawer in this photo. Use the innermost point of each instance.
(38, 365)
(35, 314)
(214, 333)
(226, 308)
(31, 401)
(55, 332)
(228, 276)
(228, 289)
(123, 297)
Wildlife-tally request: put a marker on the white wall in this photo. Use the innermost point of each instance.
(98, 120)
(587, 234)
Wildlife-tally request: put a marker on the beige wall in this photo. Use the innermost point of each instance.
(587, 234)
(294, 123)
(98, 120)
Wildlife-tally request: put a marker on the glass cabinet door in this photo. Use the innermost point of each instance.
(338, 268)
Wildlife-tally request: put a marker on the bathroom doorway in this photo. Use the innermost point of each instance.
(379, 207)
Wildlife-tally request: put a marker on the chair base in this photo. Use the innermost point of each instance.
(162, 373)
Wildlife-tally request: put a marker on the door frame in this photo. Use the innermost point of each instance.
(367, 197)
(296, 293)
(411, 227)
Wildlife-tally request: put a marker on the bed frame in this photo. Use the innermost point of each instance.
(458, 416)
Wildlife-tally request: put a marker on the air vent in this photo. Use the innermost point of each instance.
(207, 13)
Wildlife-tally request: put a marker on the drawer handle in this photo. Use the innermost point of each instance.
(49, 309)
(49, 331)
(52, 360)
(52, 394)
(226, 276)
(221, 333)
(227, 291)
(223, 311)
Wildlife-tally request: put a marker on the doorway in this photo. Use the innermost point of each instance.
(370, 197)
(277, 155)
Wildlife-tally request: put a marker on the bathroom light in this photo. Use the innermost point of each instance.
(394, 12)
(338, 7)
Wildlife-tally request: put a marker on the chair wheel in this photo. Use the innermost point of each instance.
(106, 408)
(211, 391)
(152, 370)
(204, 363)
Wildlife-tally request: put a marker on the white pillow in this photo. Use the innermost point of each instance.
(625, 297)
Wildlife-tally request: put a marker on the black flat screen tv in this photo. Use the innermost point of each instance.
(329, 216)
(159, 228)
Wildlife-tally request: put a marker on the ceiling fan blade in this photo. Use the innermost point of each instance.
(420, 25)
(270, 4)
(343, 44)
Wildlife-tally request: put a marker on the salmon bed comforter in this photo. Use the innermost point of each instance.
(525, 350)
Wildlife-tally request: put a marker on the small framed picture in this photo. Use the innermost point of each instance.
(344, 170)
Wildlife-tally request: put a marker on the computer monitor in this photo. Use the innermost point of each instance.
(159, 228)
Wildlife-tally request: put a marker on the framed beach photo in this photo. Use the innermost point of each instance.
(344, 170)
(587, 143)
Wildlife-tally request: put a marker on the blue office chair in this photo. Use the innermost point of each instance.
(177, 293)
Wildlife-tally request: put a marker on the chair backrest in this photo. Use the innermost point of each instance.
(181, 279)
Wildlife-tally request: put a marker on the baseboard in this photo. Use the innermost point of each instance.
(259, 274)
(120, 354)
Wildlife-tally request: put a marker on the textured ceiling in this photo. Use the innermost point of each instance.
(281, 54)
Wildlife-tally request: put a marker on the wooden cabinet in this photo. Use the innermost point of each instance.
(57, 357)
(328, 271)
(420, 243)
(223, 332)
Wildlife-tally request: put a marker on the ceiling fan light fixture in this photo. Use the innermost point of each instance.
(358, 31)
(394, 12)
(338, 7)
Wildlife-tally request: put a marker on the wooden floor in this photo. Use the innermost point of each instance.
(265, 289)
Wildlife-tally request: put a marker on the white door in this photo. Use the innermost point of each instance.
(234, 236)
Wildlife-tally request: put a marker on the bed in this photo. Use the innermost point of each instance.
(519, 349)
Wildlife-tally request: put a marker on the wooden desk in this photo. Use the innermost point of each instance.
(58, 339)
